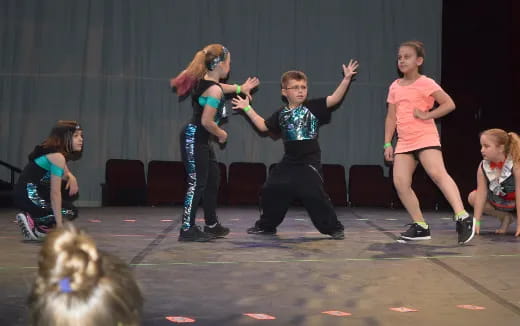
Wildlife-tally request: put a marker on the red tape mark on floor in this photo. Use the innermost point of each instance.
(404, 309)
(166, 220)
(94, 221)
(337, 313)
(179, 319)
(470, 307)
(260, 316)
(131, 221)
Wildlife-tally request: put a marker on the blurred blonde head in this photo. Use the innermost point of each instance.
(78, 285)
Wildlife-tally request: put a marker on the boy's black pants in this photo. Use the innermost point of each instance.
(287, 182)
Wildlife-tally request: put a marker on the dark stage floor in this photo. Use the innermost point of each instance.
(295, 276)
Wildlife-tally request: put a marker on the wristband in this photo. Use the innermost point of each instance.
(239, 89)
(247, 108)
(477, 223)
(386, 145)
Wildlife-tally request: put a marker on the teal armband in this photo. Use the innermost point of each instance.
(239, 89)
(477, 223)
(209, 100)
(386, 145)
(45, 164)
(247, 108)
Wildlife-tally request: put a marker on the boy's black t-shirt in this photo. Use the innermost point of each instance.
(299, 129)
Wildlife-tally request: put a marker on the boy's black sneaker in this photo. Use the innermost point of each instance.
(416, 232)
(466, 229)
(338, 235)
(218, 231)
(257, 230)
(194, 233)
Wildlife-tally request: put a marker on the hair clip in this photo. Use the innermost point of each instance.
(64, 285)
(218, 59)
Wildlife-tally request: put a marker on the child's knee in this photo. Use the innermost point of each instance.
(402, 184)
(438, 175)
(471, 198)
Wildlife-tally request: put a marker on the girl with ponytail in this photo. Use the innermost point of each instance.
(78, 285)
(498, 179)
(202, 78)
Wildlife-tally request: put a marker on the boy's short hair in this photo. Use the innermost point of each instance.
(292, 75)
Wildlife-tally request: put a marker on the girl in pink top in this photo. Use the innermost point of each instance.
(410, 100)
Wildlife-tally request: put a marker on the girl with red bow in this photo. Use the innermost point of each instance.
(498, 179)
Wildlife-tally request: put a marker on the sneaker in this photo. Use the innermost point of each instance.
(465, 229)
(194, 233)
(218, 231)
(257, 230)
(26, 224)
(416, 232)
(41, 231)
(338, 235)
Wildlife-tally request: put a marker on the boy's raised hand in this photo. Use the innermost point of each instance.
(239, 103)
(350, 69)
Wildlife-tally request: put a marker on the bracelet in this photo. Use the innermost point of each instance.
(386, 145)
(239, 89)
(477, 223)
(247, 108)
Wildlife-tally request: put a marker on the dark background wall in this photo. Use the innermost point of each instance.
(480, 70)
(107, 64)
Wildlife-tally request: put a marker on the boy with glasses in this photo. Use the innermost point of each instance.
(299, 174)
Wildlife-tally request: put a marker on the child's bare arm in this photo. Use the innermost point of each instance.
(208, 115)
(240, 103)
(58, 160)
(246, 88)
(446, 105)
(516, 173)
(390, 123)
(339, 93)
(481, 195)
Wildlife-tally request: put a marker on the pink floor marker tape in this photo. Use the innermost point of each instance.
(337, 313)
(179, 319)
(260, 316)
(404, 309)
(470, 307)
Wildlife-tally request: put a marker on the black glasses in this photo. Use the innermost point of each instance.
(299, 87)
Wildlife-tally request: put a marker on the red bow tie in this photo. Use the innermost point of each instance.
(497, 165)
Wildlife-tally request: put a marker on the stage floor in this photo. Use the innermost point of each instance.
(296, 276)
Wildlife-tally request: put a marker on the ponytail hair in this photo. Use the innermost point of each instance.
(204, 60)
(510, 140)
(513, 147)
(78, 285)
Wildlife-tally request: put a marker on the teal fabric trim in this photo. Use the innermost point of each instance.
(209, 100)
(45, 164)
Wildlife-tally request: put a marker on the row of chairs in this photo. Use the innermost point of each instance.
(240, 184)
